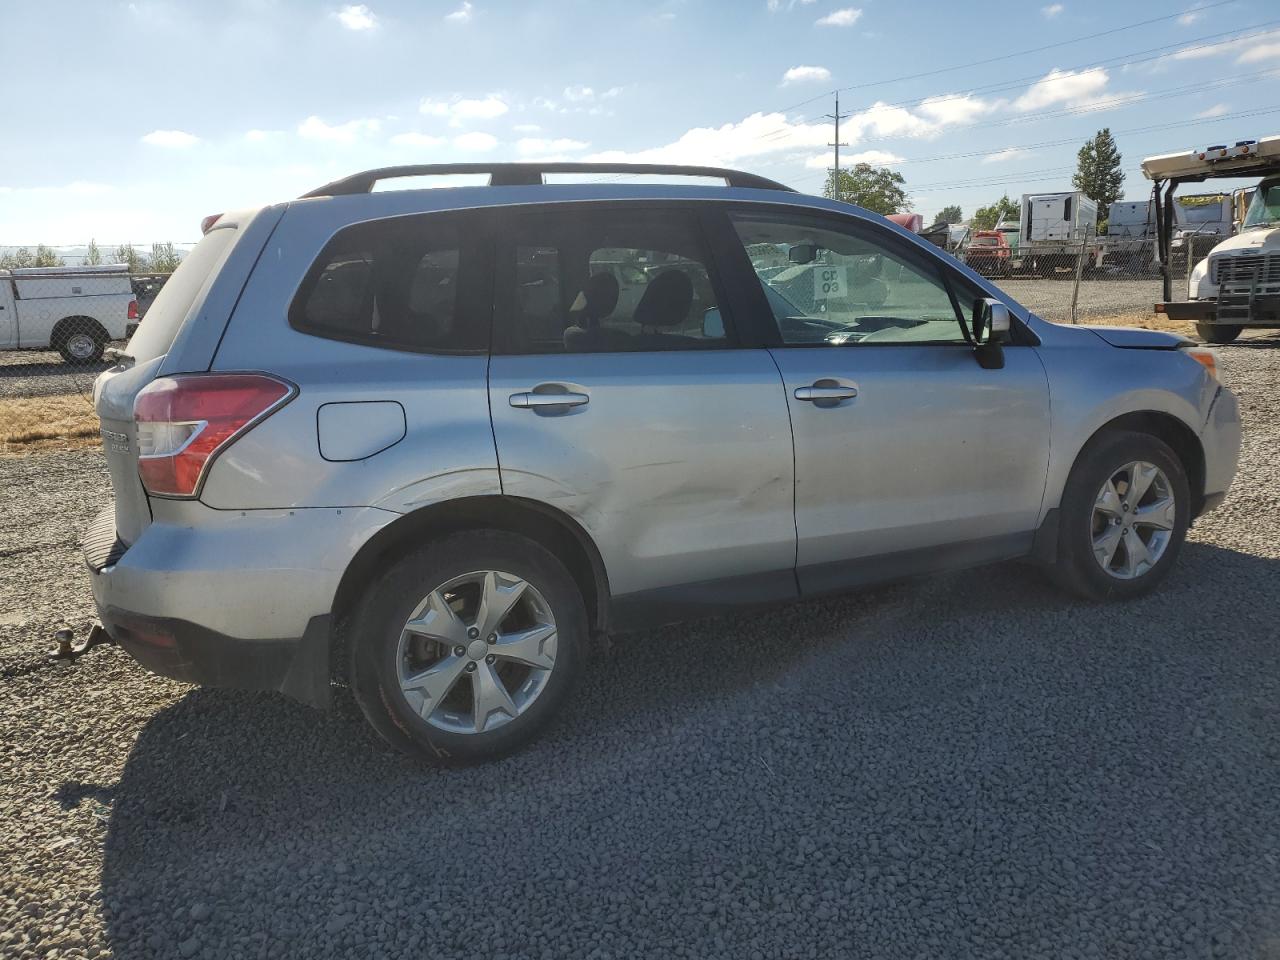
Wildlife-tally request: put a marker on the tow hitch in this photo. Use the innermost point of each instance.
(69, 648)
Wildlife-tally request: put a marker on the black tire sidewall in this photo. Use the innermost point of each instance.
(375, 634)
(1218, 333)
(1101, 458)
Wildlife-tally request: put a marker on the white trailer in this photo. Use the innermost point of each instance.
(74, 310)
(1052, 229)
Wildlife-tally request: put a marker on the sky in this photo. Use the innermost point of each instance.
(134, 120)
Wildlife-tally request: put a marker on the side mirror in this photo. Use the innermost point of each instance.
(991, 327)
(803, 253)
(713, 324)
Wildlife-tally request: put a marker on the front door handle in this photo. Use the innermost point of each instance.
(826, 391)
(526, 401)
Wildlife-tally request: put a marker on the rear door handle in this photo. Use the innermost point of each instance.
(526, 401)
(824, 392)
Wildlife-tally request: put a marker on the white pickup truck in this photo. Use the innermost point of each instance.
(74, 310)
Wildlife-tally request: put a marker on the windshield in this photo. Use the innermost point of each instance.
(1264, 208)
(1201, 210)
(985, 241)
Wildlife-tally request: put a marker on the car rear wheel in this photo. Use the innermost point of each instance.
(1218, 332)
(1124, 516)
(467, 647)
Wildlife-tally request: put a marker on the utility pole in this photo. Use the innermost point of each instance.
(837, 117)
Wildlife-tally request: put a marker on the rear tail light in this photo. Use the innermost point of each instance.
(133, 309)
(185, 421)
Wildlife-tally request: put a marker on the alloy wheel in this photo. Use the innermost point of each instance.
(1134, 516)
(476, 652)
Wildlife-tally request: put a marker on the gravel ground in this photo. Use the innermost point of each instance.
(42, 373)
(968, 766)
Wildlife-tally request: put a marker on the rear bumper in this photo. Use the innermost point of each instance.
(228, 598)
(1230, 309)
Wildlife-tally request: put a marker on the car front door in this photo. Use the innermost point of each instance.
(637, 412)
(909, 455)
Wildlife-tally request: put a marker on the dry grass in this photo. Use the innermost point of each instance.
(61, 422)
(1145, 321)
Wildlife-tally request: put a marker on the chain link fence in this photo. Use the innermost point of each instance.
(58, 326)
(1097, 281)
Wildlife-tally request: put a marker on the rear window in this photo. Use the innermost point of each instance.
(392, 283)
(166, 314)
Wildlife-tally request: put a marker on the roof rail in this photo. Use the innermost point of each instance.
(529, 174)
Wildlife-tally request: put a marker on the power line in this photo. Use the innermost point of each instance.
(1010, 56)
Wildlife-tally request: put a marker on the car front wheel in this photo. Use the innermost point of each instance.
(467, 646)
(1123, 518)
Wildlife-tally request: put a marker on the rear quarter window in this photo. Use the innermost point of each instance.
(396, 283)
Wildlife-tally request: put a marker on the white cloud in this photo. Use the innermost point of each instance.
(526, 128)
(773, 6)
(1263, 51)
(1005, 155)
(171, 139)
(414, 139)
(461, 15)
(463, 109)
(1191, 16)
(1244, 46)
(805, 75)
(877, 158)
(1052, 10)
(258, 136)
(1068, 87)
(356, 16)
(1217, 110)
(475, 142)
(954, 108)
(846, 17)
(579, 94)
(313, 128)
(538, 146)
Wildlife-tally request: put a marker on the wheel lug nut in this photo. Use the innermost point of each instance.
(490, 658)
(459, 651)
(473, 632)
(471, 666)
(493, 638)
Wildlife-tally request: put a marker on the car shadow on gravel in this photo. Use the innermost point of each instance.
(971, 761)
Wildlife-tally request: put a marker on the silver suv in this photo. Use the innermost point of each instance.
(428, 442)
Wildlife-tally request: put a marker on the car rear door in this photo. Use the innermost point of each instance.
(623, 395)
(909, 455)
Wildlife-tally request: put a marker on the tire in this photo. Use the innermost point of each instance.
(1218, 332)
(1082, 522)
(80, 340)
(425, 584)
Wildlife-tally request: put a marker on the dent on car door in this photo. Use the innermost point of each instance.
(633, 412)
(909, 455)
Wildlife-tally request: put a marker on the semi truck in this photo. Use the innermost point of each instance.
(74, 310)
(1054, 226)
(1238, 284)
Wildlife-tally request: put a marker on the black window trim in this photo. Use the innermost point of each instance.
(767, 331)
(475, 281)
(695, 212)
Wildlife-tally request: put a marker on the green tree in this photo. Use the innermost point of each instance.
(950, 214)
(92, 256)
(21, 257)
(45, 257)
(164, 259)
(125, 253)
(1098, 172)
(877, 189)
(985, 218)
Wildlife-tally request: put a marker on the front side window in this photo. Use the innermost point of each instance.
(606, 282)
(830, 287)
(392, 283)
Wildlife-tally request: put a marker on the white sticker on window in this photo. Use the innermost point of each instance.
(829, 282)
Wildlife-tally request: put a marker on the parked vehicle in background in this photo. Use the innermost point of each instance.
(1237, 285)
(1200, 216)
(989, 254)
(1011, 230)
(1054, 229)
(74, 310)
(952, 238)
(390, 454)
(911, 222)
(1130, 244)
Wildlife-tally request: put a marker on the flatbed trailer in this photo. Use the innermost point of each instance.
(1239, 285)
